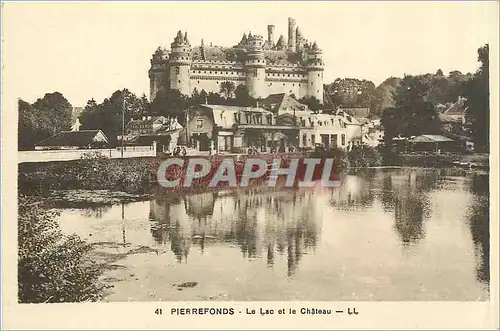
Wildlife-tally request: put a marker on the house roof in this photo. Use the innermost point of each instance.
(72, 138)
(357, 112)
(457, 108)
(445, 118)
(430, 138)
(281, 102)
(224, 115)
(147, 121)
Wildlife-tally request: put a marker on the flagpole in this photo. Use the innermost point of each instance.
(123, 122)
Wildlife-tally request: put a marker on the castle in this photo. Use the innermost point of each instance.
(264, 66)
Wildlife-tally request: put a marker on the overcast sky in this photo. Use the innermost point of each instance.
(89, 50)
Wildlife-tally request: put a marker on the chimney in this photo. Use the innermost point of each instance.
(291, 34)
(270, 34)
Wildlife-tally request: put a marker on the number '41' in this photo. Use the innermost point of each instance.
(158, 311)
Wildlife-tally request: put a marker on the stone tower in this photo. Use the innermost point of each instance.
(180, 64)
(255, 66)
(291, 34)
(315, 68)
(270, 35)
(158, 79)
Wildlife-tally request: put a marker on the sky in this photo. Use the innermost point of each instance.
(90, 50)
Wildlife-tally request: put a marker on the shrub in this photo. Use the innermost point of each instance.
(52, 267)
(364, 156)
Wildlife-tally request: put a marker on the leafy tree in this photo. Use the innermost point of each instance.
(227, 89)
(413, 114)
(108, 116)
(477, 92)
(44, 118)
(242, 96)
(312, 103)
(52, 267)
(57, 108)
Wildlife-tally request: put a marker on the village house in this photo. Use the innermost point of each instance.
(455, 124)
(83, 139)
(159, 130)
(235, 129)
(453, 119)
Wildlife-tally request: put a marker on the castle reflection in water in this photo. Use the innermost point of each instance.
(263, 222)
(260, 222)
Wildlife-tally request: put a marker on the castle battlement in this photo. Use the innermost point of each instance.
(264, 66)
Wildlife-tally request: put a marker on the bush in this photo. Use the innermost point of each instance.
(52, 267)
(364, 156)
(390, 157)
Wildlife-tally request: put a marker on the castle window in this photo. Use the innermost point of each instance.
(258, 118)
(318, 75)
(293, 84)
(343, 139)
(311, 83)
(299, 84)
(179, 82)
(198, 82)
(210, 72)
(177, 70)
(283, 84)
(304, 140)
(288, 75)
(199, 124)
(255, 73)
(317, 91)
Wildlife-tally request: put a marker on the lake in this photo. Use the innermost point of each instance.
(385, 234)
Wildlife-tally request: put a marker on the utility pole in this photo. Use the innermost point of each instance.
(123, 123)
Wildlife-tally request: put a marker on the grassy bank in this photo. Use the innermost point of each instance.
(137, 175)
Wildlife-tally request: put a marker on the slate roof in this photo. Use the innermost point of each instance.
(72, 138)
(357, 112)
(430, 138)
(282, 102)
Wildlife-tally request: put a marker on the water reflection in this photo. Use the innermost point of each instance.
(259, 221)
(385, 234)
(479, 223)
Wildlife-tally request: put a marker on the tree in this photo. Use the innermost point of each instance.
(109, 115)
(52, 267)
(477, 92)
(242, 96)
(312, 103)
(419, 115)
(227, 89)
(413, 114)
(57, 109)
(46, 117)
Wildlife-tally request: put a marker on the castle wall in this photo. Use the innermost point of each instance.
(315, 84)
(256, 82)
(209, 76)
(179, 78)
(158, 80)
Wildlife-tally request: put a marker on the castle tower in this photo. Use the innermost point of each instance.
(300, 40)
(256, 67)
(270, 35)
(280, 44)
(158, 73)
(180, 64)
(291, 34)
(315, 68)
